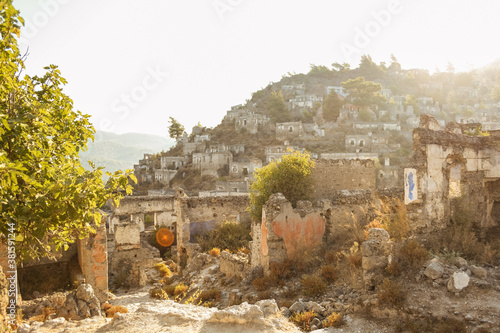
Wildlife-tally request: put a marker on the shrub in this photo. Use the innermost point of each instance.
(266, 294)
(392, 217)
(331, 257)
(394, 268)
(281, 271)
(215, 252)
(110, 311)
(413, 253)
(328, 273)
(244, 250)
(303, 319)
(333, 320)
(228, 235)
(180, 288)
(261, 283)
(210, 295)
(158, 293)
(460, 238)
(163, 270)
(354, 255)
(391, 293)
(313, 285)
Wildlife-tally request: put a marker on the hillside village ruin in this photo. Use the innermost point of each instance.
(449, 161)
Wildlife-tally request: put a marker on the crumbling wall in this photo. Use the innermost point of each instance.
(130, 262)
(285, 231)
(450, 165)
(93, 260)
(234, 265)
(331, 176)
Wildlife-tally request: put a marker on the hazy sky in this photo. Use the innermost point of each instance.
(131, 64)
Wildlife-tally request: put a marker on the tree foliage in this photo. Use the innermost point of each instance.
(364, 93)
(331, 107)
(278, 111)
(175, 129)
(291, 176)
(47, 199)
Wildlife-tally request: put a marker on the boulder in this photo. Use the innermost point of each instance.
(434, 270)
(84, 292)
(298, 307)
(479, 272)
(268, 307)
(460, 262)
(458, 281)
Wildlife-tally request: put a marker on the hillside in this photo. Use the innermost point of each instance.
(122, 151)
(336, 112)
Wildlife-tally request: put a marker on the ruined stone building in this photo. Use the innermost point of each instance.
(450, 165)
(244, 167)
(209, 163)
(289, 130)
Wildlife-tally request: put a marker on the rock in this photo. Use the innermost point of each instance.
(316, 322)
(286, 312)
(235, 297)
(239, 314)
(83, 309)
(24, 328)
(313, 306)
(458, 281)
(95, 306)
(54, 322)
(460, 262)
(297, 307)
(84, 292)
(268, 307)
(479, 272)
(434, 270)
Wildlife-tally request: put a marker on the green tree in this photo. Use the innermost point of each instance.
(331, 107)
(364, 93)
(47, 199)
(291, 176)
(278, 111)
(368, 68)
(175, 129)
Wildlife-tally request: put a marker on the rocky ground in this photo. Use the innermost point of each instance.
(443, 296)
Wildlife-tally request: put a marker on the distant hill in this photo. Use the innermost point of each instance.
(122, 151)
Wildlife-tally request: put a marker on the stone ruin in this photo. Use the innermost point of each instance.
(447, 164)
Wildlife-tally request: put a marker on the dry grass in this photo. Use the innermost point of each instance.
(158, 293)
(262, 283)
(391, 216)
(303, 319)
(391, 293)
(313, 285)
(211, 295)
(328, 273)
(110, 310)
(353, 255)
(215, 252)
(163, 270)
(413, 253)
(460, 239)
(334, 320)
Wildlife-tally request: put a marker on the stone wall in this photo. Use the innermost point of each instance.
(93, 260)
(284, 232)
(449, 166)
(183, 215)
(331, 176)
(234, 265)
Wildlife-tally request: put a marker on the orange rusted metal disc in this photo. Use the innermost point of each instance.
(164, 237)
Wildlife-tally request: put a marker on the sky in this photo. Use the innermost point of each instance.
(132, 64)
